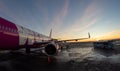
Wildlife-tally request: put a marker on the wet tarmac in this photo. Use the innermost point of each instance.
(75, 58)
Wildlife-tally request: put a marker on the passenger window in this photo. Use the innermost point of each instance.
(2, 27)
(6, 28)
(15, 31)
(11, 30)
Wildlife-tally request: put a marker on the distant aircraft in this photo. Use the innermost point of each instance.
(13, 37)
(105, 44)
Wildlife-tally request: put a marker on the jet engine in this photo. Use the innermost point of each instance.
(51, 49)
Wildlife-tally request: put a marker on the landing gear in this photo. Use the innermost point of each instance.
(27, 50)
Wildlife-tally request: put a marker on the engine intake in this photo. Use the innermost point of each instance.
(51, 50)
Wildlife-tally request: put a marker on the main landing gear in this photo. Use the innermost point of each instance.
(27, 50)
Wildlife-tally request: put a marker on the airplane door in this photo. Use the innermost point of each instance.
(25, 38)
(22, 36)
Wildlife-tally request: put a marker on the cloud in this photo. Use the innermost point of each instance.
(58, 19)
(90, 17)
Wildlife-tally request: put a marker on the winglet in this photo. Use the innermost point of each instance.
(50, 35)
(89, 35)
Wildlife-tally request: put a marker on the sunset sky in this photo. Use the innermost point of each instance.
(67, 18)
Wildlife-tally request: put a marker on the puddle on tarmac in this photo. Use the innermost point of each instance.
(89, 53)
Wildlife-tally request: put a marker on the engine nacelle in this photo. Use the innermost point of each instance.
(51, 49)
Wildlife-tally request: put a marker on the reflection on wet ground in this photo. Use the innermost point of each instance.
(77, 58)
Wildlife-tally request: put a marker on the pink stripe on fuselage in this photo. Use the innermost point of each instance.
(9, 37)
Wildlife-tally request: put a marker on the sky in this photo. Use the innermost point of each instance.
(67, 18)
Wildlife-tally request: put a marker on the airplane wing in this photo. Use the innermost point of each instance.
(57, 41)
(76, 39)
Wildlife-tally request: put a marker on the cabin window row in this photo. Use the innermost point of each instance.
(7, 28)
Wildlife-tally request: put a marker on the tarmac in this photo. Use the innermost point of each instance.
(80, 57)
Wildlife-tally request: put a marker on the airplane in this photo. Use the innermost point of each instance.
(106, 44)
(14, 37)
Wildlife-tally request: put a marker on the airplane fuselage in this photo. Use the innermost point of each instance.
(13, 36)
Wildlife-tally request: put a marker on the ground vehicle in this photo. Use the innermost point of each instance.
(103, 44)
